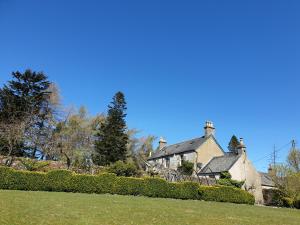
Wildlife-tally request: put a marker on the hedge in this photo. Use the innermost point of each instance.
(66, 181)
(225, 194)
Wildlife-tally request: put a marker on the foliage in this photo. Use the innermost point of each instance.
(139, 149)
(296, 203)
(233, 144)
(112, 139)
(277, 198)
(121, 168)
(294, 159)
(225, 175)
(186, 168)
(225, 194)
(34, 165)
(225, 180)
(66, 181)
(287, 179)
(25, 100)
(74, 138)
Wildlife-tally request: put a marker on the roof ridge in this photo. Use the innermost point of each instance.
(183, 142)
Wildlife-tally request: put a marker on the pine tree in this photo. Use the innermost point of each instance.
(233, 144)
(25, 95)
(112, 138)
(25, 100)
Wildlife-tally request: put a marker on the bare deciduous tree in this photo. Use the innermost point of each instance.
(12, 136)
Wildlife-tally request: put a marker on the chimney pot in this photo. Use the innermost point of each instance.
(209, 128)
(242, 147)
(162, 143)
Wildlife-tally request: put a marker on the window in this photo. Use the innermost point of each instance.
(182, 158)
(167, 162)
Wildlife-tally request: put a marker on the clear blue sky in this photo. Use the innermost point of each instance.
(179, 63)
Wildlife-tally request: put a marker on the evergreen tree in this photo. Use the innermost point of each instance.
(233, 144)
(25, 99)
(112, 138)
(25, 95)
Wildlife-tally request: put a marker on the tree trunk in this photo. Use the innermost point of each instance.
(33, 153)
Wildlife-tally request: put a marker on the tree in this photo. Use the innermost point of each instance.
(111, 141)
(41, 137)
(233, 144)
(74, 138)
(294, 159)
(186, 168)
(287, 178)
(12, 138)
(25, 99)
(139, 149)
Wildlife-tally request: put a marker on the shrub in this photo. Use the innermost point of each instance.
(83, 184)
(276, 197)
(21, 180)
(287, 202)
(34, 165)
(188, 190)
(123, 169)
(105, 183)
(186, 168)
(59, 180)
(225, 175)
(225, 194)
(297, 204)
(230, 183)
(66, 181)
(129, 186)
(225, 180)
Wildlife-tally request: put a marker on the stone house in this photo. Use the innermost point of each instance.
(210, 160)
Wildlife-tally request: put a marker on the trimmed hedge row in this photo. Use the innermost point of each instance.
(225, 194)
(66, 181)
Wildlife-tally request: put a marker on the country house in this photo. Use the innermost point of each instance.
(210, 160)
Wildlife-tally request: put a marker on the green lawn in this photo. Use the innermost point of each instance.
(17, 207)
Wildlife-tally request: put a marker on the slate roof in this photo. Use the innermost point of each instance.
(266, 180)
(186, 146)
(220, 163)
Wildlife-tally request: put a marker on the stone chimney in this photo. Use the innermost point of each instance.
(242, 147)
(209, 128)
(270, 169)
(162, 143)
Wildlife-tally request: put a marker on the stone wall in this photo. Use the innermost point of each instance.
(18, 165)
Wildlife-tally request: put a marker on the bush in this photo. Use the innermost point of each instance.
(186, 168)
(22, 180)
(129, 186)
(34, 165)
(230, 183)
(276, 197)
(123, 169)
(66, 181)
(297, 204)
(225, 194)
(225, 175)
(287, 202)
(59, 180)
(225, 180)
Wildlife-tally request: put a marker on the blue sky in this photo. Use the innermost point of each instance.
(179, 63)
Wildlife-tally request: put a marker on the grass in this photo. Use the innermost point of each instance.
(35, 208)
